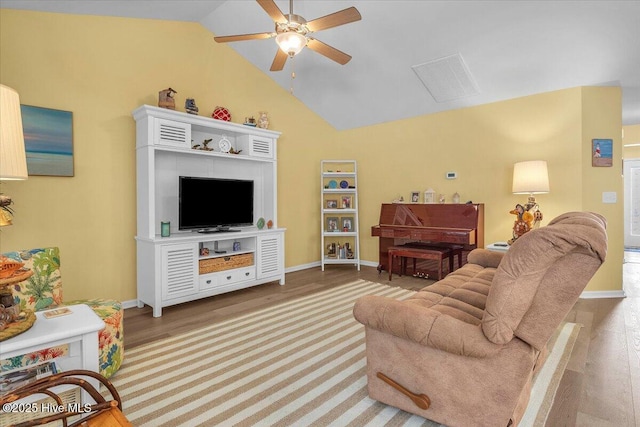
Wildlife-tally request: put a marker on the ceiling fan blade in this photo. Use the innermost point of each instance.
(272, 10)
(241, 37)
(328, 51)
(279, 60)
(342, 17)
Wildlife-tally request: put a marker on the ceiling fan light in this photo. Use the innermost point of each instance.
(291, 42)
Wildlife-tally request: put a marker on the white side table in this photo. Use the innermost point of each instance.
(79, 330)
(498, 247)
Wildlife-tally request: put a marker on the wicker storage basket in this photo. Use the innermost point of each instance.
(212, 265)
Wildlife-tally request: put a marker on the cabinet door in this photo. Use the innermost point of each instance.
(172, 134)
(270, 255)
(179, 270)
(257, 146)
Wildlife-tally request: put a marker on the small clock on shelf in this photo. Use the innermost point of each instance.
(224, 144)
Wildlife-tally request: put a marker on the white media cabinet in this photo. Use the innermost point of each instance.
(169, 268)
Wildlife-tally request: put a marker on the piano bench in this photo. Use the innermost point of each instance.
(438, 254)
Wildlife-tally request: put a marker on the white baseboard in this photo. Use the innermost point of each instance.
(132, 303)
(603, 294)
(302, 267)
(318, 264)
(369, 263)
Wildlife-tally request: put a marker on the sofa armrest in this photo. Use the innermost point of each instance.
(485, 257)
(425, 326)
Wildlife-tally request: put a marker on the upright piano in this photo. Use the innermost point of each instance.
(429, 224)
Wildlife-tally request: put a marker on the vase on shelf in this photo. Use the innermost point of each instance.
(263, 120)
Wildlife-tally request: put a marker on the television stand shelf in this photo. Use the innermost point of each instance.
(228, 230)
(185, 266)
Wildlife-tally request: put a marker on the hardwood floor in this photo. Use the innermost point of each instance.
(600, 386)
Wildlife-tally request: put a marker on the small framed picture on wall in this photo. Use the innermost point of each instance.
(346, 202)
(601, 152)
(429, 196)
(415, 196)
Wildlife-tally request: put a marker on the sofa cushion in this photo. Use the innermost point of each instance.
(111, 338)
(461, 295)
(531, 273)
(44, 288)
(450, 308)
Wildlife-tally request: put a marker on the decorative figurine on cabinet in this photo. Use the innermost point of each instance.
(190, 106)
(204, 146)
(263, 120)
(221, 113)
(165, 99)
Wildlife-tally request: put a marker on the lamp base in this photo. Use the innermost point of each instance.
(5, 218)
(528, 218)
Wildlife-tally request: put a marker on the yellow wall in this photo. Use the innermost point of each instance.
(481, 144)
(631, 136)
(102, 68)
(602, 118)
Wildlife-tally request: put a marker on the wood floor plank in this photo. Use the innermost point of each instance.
(580, 351)
(567, 400)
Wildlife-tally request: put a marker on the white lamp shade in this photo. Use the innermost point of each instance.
(291, 42)
(530, 177)
(13, 160)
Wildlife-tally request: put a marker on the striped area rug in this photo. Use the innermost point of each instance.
(299, 363)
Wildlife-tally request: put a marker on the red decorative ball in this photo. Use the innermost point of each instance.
(221, 113)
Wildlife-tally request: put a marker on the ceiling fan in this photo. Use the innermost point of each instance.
(293, 33)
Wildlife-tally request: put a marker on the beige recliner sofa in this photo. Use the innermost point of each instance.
(463, 351)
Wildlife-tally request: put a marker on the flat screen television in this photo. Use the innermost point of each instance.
(209, 205)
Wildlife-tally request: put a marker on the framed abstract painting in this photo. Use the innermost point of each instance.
(48, 140)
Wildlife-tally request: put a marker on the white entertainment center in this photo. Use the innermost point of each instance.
(187, 265)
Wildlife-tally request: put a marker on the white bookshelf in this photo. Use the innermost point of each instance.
(339, 227)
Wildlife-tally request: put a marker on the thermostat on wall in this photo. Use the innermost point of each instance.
(451, 175)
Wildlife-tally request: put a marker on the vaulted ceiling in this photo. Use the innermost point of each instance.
(495, 50)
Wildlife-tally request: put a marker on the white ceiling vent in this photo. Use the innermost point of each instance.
(447, 78)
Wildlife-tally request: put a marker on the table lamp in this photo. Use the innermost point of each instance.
(531, 177)
(13, 166)
(13, 160)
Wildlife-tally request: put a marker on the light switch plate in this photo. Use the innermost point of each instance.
(609, 197)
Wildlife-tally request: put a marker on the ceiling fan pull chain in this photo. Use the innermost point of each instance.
(293, 74)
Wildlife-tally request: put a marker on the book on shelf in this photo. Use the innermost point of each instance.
(11, 380)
